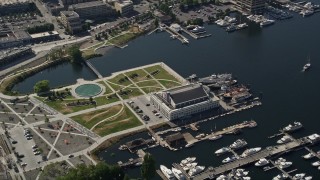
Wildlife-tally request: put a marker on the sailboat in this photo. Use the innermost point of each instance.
(306, 66)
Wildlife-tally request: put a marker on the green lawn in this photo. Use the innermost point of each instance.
(141, 75)
(162, 74)
(90, 119)
(135, 92)
(122, 122)
(169, 84)
(150, 86)
(117, 84)
(123, 39)
(108, 90)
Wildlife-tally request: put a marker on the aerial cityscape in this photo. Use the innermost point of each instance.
(159, 89)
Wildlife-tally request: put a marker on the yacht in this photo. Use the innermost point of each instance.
(284, 165)
(191, 165)
(178, 174)
(308, 156)
(229, 159)
(294, 127)
(241, 172)
(189, 145)
(262, 162)
(198, 29)
(200, 136)
(196, 170)
(319, 168)
(299, 176)
(187, 160)
(306, 67)
(305, 13)
(284, 139)
(266, 22)
(222, 150)
(317, 163)
(278, 161)
(231, 28)
(167, 172)
(123, 147)
(280, 177)
(242, 26)
(240, 143)
(213, 138)
(308, 178)
(251, 151)
(222, 177)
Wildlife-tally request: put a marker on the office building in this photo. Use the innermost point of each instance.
(71, 21)
(124, 7)
(92, 10)
(250, 6)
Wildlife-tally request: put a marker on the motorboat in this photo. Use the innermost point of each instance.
(196, 170)
(299, 176)
(178, 174)
(229, 159)
(308, 156)
(284, 165)
(296, 125)
(222, 177)
(284, 139)
(213, 138)
(167, 172)
(306, 67)
(240, 143)
(317, 163)
(306, 12)
(200, 136)
(241, 172)
(251, 151)
(191, 165)
(308, 178)
(198, 29)
(280, 177)
(189, 145)
(278, 161)
(242, 26)
(266, 22)
(231, 28)
(262, 162)
(222, 150)
(123, 147)
(187, 160)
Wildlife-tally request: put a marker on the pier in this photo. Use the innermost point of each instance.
(190, 33)
(93, 69)
(265, 153)
(183, 39)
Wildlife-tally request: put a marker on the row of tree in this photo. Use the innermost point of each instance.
(103, 171)
(41, 28)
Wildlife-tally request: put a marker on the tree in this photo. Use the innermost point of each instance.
(75, 54)
(41, 86)
(156, 22)
(148, 169)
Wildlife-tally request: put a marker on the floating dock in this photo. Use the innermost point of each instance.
(265, 153)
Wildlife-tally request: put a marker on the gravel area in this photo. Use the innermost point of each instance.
(68, 144)
(69, 128)
(21, 108)
(55, 125)
(50, 136)
(10, 118)
(39, 110)
(32, 119)
(41, 145)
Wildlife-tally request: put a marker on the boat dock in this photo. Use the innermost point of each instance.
(183, 39)
(161, 174)
(283, 171)
(190, 33)
(133, 145)
(133, 162)
(265, 153)
(312, 152)
(177, 166)
(96, 72)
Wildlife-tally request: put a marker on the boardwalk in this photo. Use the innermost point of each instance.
(268, 152)
(93, 69)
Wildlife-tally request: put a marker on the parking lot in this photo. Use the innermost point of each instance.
(24, 148)
(202, 12)
(146, 109)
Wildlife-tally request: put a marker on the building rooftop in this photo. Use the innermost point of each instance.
(124, 3)
(44, 34)
(87, 4)
(21, 35)
(187, 93)
(70, 14)
(7, 2)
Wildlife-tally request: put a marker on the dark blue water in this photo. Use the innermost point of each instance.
(270, 60)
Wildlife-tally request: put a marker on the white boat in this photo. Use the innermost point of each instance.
(239, 143)
(299, 176)
(266, 22)
(278, 161)
(123, 147)
(229, 159)
(306, 67)
(191, 165)
(262, 162)
(196, 170)
(222, 150)
(178, 174)
(198, 29)
(284, 165)
(222, 177)
(306, 12)
(213, 138)
(187, 160)
(241, 172)
(251, 151)
(290, 127)
(242, 26)
(308, 156)
(317, 163)
(308, 178)
(189, 145)
(246, 178)
(280, 177)
(167, 172)
(284, 139)
(199, 136)
(319, 168)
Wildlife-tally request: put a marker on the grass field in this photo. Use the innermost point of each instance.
(108, 90)
(162, 74)
(122, 39)
(141, 75)
(90, 119)
(125, 120)
(149, 86)
(116, 80)
(169, 84)
(135, 92)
